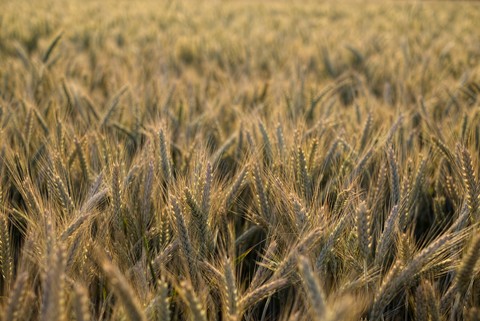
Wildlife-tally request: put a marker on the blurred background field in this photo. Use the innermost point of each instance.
(408, 49)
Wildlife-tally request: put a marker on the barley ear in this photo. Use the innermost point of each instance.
(15, 304)
(387, 235)
(432, 301)
(184, 237)
(236, 188)
(112, 106)
(199, 223)
(207, 187)
(231, 292)
(315, 294)
(82, 159)
(191, 299)
(50, 48)
(394, 178)
(159, 307)
(303, 179)
(255, 295)
(363, 231)
(53, 300)
(280, 140)
(470, 182)
(466, 269)
(147, 195)
(116, 194)
(166, 165)
(261, 194)
(65, 200)
(366, 131)
(82, 309)
(6, 257)
(421, 307)
(120, 287)
(267, 146)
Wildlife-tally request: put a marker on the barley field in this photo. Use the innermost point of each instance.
(239, 160)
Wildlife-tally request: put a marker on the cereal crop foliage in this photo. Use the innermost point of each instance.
(239, 160)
